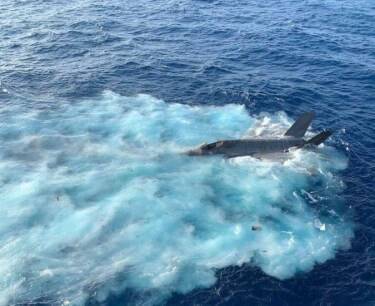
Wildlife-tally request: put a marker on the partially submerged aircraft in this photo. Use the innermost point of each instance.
(258, 147)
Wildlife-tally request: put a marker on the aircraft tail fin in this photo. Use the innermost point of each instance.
(298, 129)
(320, 138)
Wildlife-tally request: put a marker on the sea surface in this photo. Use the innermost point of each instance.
(98, 101)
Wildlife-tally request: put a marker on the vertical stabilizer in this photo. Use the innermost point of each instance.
(299, 128)
(320, 138)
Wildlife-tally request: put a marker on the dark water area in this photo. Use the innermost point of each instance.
(271, 56)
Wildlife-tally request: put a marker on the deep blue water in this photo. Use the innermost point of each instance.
(58, 57)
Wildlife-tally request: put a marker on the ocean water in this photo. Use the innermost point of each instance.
(100, 99)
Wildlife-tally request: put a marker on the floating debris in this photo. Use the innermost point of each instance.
(256, 227)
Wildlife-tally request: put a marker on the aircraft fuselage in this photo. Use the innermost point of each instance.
(243, 147)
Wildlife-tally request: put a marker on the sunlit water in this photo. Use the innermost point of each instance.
(99, 197)
(98, 101)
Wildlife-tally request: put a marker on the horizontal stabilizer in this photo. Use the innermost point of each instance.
(299, 128)
(320, 138)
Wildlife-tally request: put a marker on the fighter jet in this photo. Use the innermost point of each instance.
(259, 147)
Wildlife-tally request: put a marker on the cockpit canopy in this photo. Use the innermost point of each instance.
(208, 146)
(215, 145)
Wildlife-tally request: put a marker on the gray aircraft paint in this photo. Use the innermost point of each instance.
(263, 146)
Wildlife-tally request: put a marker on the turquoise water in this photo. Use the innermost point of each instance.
(99, 102)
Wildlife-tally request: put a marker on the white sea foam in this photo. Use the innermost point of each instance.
(96, 197)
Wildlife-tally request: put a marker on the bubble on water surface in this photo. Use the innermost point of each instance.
(96, 198)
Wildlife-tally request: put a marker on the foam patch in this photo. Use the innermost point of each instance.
(97, 197)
